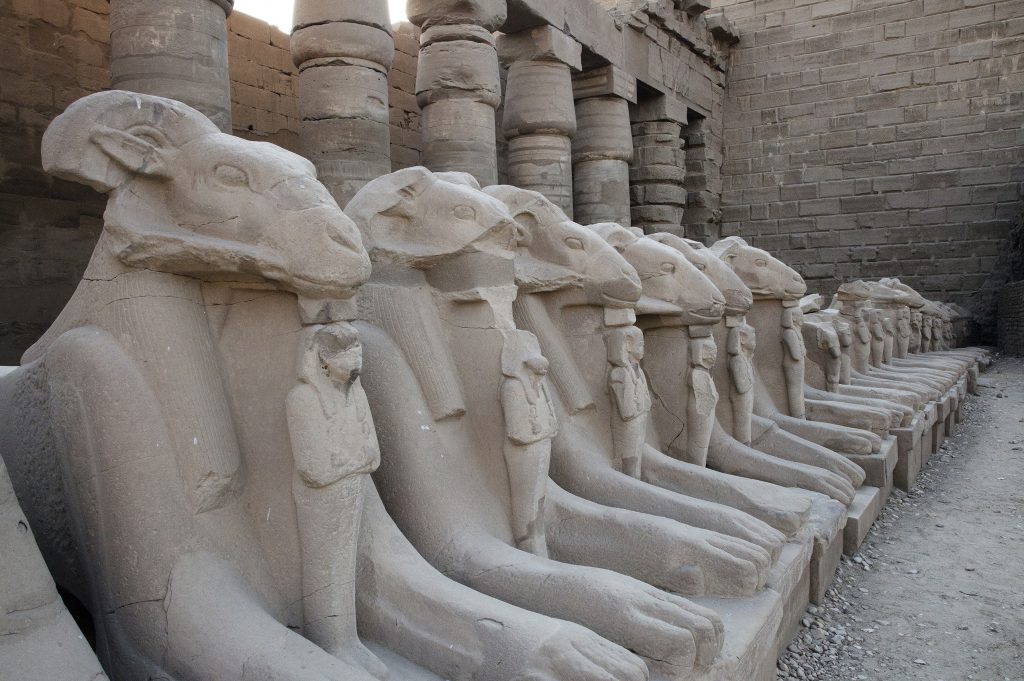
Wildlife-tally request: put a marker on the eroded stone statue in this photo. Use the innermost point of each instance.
(530, 425)
(442, 288)
(632, 401)
(212, 322)
(153, 461)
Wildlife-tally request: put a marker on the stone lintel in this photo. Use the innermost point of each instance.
(721, 28)
(663, 108)
(540, 43)
(604, 81)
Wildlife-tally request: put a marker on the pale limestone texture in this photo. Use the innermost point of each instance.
(442, 293)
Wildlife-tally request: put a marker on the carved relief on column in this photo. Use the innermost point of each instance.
(458, 86)
(539, 117)
(603, 146)
(343, 50)
(176, 49)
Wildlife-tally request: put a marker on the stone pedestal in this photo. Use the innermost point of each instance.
(458, 86)
(539, 119)
(176, 49)
(603, 147)
(343, 51)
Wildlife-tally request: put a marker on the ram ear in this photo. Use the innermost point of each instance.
(104, 139)
(139, 151)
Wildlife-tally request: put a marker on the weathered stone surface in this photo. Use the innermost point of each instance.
(176, 49)
(490, 14)
(543, 43)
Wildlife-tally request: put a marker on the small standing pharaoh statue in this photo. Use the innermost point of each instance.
(741, 344)
(630, 395)
(829, 342)
(903, 332)
(703, 394)
(916, 330)
(793, 357)
(335, 448)
(844, 332)
(530, 424)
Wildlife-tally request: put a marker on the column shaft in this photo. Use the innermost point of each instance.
(176, 49)
(601, 155)
(458, 87)
(539, 118)
(343, 50)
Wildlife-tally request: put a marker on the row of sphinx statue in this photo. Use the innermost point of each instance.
(447, 433)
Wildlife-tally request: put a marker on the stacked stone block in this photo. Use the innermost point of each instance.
(868, 138)
(1010, 318)
(264, 106)
(406, 146)
(657, 177)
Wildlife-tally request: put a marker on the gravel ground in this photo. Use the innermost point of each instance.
(937, 590)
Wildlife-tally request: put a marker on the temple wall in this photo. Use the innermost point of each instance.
(1010, 319)
(56, 51)
(869, 138)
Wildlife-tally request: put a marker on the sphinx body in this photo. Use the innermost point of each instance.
(187, 408)
(437, 324)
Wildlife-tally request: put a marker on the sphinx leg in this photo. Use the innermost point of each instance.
(462, 634)
(587, 475)
(164, 605)
(834, 437)
(735, 458)
(658, 625)
(784, 444)
(785, 511)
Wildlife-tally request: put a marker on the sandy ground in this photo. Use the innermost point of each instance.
(937, 590)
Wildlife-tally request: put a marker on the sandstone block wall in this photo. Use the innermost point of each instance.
(878, 137)
(56, 51)
(1010, 318)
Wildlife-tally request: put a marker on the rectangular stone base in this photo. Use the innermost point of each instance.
(752, 627)
(824, 561)
(928, 437)
(908, 443)
(954, 408)
(962, 387)
(859, 517)
(942, 415)
(790, 578)
(879, 467)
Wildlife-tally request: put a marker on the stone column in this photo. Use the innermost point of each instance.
(658, 172)
(344, 49)
(458, 86)
(603, 147)
(540, 119)
(176, 49)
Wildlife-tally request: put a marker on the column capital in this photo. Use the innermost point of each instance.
(606, 81)
(490, 14)
(541, 43)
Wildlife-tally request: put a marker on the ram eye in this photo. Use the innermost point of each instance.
(761, 262)
(464, 212)
(668, 268)
(231, 176)
(574, 243)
